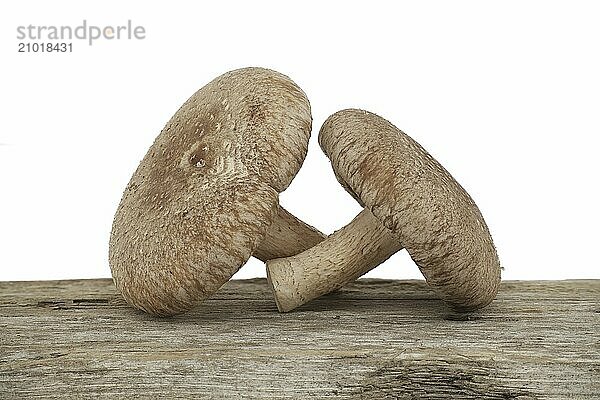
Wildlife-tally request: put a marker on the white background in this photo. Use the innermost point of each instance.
(506, 95)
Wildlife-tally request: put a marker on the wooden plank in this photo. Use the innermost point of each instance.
(375, 339)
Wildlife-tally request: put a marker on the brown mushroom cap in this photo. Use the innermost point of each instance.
(204, 195)
(413, 196)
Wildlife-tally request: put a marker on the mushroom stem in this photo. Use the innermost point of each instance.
(287, 236)
(344, 256)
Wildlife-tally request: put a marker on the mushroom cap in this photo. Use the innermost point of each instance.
(206, 191)
(413, 196)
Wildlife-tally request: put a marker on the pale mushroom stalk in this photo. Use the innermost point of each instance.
(343, 257)
(286, 237)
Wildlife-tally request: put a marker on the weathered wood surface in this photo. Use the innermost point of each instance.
(371, 340)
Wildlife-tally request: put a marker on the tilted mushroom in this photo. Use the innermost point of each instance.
(409, 200)
(205, 196)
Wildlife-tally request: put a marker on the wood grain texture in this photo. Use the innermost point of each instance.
(373, 339)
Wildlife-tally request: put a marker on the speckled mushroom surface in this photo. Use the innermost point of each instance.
(410, 200)
(205, 194)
